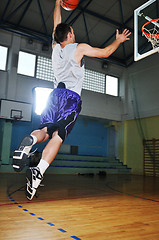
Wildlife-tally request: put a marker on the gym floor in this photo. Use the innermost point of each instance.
(80, 207)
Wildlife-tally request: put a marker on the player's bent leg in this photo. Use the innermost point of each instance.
(33, 177)
(41, 134)
(21, 154)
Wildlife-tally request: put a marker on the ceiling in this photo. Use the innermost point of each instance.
(94, 22)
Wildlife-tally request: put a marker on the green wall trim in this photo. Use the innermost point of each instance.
(6, 141)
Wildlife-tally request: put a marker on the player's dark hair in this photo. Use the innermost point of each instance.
(61, 32)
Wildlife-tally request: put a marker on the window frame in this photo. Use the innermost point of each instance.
(96, 79)
(6, 63)
(114, 76)
(102, 91)
(36, 69)
(35, 63)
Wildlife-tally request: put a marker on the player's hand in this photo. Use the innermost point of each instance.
(124, 36)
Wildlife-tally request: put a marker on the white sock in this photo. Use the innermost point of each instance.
(34, 139)
(43, 165)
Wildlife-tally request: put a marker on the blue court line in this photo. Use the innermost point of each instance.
(61, 230)
(33, 214)
(74, 237)
(42, 219)
(51, 224)
(26, 210)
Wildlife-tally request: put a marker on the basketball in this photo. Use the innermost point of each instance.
(69, 5)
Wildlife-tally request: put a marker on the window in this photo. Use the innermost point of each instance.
(44, 69)
(26, 64)
(3, 58)
(99, 82)
(111, 85)
(41, 96)
(94, 81)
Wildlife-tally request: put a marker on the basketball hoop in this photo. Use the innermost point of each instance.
(152, 34)
(17, 117)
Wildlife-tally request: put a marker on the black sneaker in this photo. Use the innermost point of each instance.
(21, 154)
(34, 178)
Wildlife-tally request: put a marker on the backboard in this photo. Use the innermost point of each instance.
(142, 15)
(14, 110)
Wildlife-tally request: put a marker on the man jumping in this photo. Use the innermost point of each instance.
(64, 103)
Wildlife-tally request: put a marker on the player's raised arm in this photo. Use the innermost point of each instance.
(57, 17)
(86, 50)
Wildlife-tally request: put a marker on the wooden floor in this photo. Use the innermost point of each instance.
(80, 207)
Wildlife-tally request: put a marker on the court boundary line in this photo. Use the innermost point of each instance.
(39, 218)
(129, 194)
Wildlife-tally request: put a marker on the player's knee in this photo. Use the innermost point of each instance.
(56, 133)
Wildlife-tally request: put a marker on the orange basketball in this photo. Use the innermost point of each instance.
(69, 4)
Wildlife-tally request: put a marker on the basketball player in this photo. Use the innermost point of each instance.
(64, 104)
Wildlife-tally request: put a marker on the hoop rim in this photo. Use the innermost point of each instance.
(148, 34)
(17, 117)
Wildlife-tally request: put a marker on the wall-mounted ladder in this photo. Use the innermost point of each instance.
(151, 157)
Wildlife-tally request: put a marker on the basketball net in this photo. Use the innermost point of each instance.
(17, 117)
(151, 31)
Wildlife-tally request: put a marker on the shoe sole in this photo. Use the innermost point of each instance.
(20, 158)
(29, 191)
(19, 163)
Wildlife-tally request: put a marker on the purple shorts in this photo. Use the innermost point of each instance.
(61, 112)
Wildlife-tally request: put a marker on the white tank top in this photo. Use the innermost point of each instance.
(66, 69)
